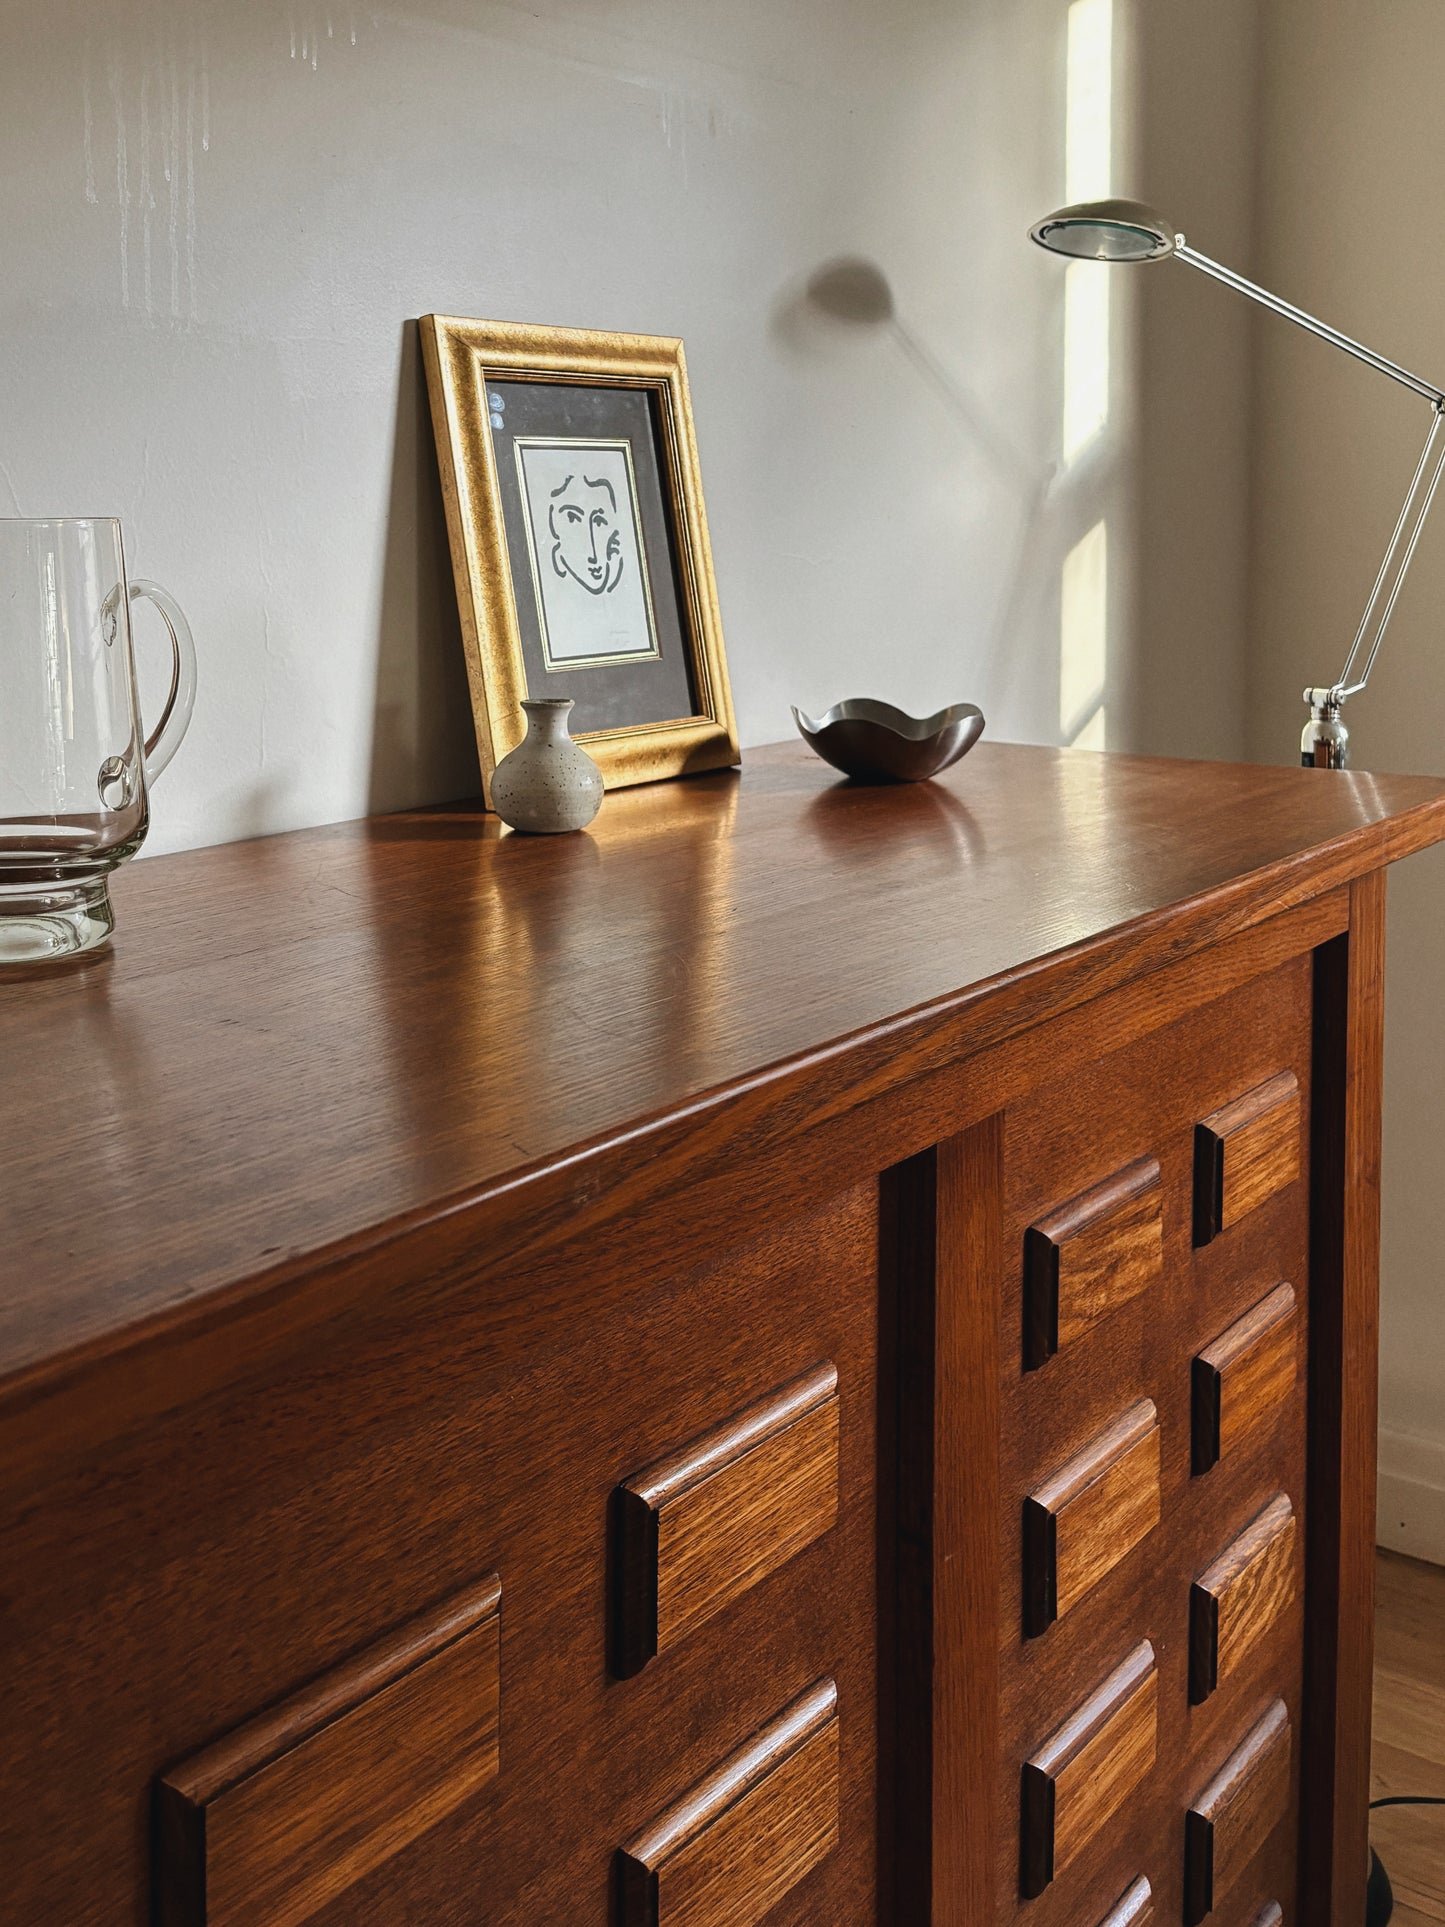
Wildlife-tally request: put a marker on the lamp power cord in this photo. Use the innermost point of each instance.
(1379, 1895)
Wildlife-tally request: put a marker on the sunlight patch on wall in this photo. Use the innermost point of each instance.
(1086, 355)
(1089, 158)
(1084, 640)
(1089, 126)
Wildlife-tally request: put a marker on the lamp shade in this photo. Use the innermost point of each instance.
(1107, 231)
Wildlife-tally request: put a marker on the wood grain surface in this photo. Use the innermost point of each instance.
(1090, 1515)
(1085, 1771)
(715, 1519)
(435, 1180)
(1091, 1256)
(941, 1256)
(1135, 1908)
(729, 1850)
(1244, 1153)
(305, 1044)
(275, 1820)
(1343, 1394)
(1240, 1598)
(1239, 1376)
(1229, 1822)
(1145, 1098)
(207, 1568)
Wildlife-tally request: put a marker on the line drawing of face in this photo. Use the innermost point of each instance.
(586, 541)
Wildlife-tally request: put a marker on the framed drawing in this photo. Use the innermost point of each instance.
(579, 542)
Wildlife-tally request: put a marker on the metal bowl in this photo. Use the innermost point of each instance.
(880, 744)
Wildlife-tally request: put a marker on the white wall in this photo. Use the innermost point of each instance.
(1352, 172)
(220, 218)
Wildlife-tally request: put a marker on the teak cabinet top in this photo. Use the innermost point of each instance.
(305, 1046)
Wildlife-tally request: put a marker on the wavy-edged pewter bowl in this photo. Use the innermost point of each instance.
(877, 743)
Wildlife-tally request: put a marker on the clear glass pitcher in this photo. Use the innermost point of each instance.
(75, 762)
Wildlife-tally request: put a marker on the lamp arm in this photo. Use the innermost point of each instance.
(1399, 554)
(1325, 742)
(1184, 252)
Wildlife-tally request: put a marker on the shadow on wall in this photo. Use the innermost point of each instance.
(849, 294)
(854, 293)
(422, 744)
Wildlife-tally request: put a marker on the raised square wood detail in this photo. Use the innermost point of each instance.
(729, 1850)
(1236, 1813)
(1240, 1598)
(1090, 1515)
(1247, 1371)
(1244, 1153)
(1083, 1774)
(1133, 1909)
(1091, 1256)
(280, 1816)
(698, 1529)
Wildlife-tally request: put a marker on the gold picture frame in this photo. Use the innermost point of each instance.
(465, 360)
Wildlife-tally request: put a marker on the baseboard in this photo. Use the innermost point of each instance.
(1411, 1504)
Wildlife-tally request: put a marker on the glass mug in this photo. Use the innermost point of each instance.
(75, 764)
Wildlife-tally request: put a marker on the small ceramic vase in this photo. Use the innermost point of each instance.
(548, 783)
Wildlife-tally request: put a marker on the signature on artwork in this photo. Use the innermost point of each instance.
(586, 541)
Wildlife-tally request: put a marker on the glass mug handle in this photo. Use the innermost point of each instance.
(165, 739)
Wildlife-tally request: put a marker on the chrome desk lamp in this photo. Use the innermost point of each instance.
(1113, 231)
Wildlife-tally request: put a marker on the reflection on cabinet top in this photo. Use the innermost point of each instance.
(304, 1043)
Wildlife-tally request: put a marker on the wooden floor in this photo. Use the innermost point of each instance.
(1410, 1733)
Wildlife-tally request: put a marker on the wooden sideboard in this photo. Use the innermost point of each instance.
(806, 1355)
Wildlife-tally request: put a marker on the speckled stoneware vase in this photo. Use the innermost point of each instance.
(548, 783)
